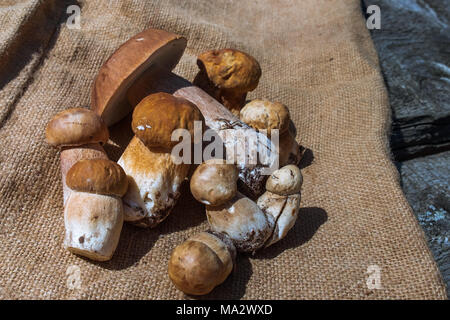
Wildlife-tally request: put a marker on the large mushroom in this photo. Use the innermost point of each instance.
(154, 174)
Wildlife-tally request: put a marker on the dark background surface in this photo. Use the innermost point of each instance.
(413, 45)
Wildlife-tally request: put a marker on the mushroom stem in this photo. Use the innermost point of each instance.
(154, 182)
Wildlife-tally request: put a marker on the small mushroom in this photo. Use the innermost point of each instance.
(285, 181)
(281, 201)
(76, 127)
(243, 221)
(94, 214)
(266, 115)
(154, 175)
(202, 262)
(214, 182)
(227, 75)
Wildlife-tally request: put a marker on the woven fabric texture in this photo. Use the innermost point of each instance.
(317, 58)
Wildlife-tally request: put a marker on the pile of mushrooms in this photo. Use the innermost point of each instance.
(246, 211)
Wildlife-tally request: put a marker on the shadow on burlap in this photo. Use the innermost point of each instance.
(316, 57)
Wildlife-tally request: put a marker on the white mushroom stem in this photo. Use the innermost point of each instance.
(154, 182)
(243, 221)
(93, 224)
(283, 210)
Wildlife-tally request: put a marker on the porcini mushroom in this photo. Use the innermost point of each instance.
(142, 66)
(214, 182)
(281, 201)
(227, 75)
(92, 221)
(202, 262)
(283, 210)
(154, 175)
(265, 116)
(285, 181)
(243, 221)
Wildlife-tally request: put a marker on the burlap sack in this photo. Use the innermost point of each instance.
(316, 57)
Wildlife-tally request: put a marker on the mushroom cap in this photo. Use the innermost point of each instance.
(266, 115)
(214, 182)
(76, 127)
(283, 210)
(158, 115)
(200, 263)
(99, 176)
(285, 181)
(243, 221)
(148, 51)
(230, 69)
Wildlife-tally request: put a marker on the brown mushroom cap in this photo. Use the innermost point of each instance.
(99, 176)
(75, 127)
(148, 51)
(158, 115)
(285, 181)
(214, 182)
(230, 69)
(266, 115)
(200, 263)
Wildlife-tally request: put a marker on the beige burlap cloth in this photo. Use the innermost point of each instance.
(317, 57)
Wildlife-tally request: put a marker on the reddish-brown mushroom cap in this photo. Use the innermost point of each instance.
(227, 75)
(158, 115)
(147, 51)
